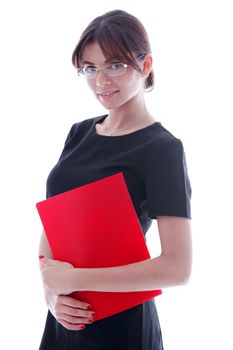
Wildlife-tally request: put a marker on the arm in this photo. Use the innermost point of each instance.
(172, 267)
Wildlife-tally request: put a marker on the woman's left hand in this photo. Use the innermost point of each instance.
(57, 275)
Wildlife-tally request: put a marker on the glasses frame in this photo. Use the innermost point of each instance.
(81, 71)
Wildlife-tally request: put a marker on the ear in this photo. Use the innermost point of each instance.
(147, 65)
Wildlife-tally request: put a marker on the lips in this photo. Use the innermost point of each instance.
(107, 93)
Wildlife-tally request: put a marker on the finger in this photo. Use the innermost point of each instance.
(43, 263)
(75, 303)
(50, 262)
(71, 326)
(75, 320)
(43, 259)
(64, 309)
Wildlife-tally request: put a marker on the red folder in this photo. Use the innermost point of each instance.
(96, 225)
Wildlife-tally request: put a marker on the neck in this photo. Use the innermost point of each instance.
(128, 115)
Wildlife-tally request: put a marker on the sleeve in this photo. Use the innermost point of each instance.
(70, 133)
(167, 185)
(66, 146)
(68, 141)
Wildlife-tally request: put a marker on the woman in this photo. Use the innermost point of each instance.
(114, 55)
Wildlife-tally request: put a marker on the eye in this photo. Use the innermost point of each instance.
(90, 69)
(116, 65)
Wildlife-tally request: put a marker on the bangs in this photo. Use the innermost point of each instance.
(113, 44)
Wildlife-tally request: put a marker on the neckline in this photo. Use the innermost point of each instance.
(102, 117)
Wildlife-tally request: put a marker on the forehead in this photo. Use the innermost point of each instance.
(92, 54)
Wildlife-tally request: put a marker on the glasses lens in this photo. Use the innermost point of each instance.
(90, 72)
(115, 69)
(112, 70)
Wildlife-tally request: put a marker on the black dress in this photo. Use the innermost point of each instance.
(154, 167)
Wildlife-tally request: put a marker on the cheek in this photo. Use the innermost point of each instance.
(131, 85)
(131, 79)
(91, 84)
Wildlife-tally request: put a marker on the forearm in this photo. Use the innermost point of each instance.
(156, 273)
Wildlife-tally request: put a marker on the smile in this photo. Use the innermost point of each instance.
(108, 94)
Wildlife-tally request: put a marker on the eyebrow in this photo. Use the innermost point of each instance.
(88, 62)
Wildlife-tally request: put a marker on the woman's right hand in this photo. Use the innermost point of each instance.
(69, 312)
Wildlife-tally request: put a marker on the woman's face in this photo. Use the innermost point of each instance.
(124, 88)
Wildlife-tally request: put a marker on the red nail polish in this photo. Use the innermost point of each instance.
(89, 307)
(82, 326)
(41, 256)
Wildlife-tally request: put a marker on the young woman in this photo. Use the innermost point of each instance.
(114, 55)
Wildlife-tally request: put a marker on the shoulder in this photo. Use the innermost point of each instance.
(81, 127)
(82, 124)
(164, 142)
(166, 155)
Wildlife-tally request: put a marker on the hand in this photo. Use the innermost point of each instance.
(69, 312)
(57, 275)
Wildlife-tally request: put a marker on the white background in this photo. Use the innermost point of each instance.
(41, 97)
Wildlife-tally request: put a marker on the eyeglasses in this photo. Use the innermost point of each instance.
(115, 69)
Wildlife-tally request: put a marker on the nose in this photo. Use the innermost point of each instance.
(102, 79)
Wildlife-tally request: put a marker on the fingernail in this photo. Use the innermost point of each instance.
(41, 256)
(82, 326)
(89, 307)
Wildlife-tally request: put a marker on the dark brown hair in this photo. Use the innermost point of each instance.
(120, 35)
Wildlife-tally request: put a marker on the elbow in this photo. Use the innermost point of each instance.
(184, 274)
(184, 280)
(182, 268)
(179, 270)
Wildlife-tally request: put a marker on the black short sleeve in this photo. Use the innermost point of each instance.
(68, 141)
(70, 133)
(167, 186)
(66, 146)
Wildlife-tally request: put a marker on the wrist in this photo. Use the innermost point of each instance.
(75, 279)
